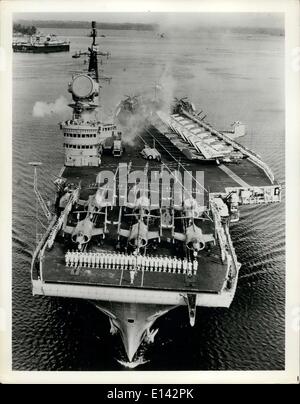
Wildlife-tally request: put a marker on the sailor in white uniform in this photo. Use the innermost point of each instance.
(83, 259)
(179, 265)
(155, 264)
(113, 260)
(67, 258)
(195, 266)
(80, 259)
(160, 263)
(101, 259)
(138, 262)
(190, 268)
(174, 264)
(132, 275)
(184, 265)
(169, 264)
(97, 260)
(72, 258)
(76, 258)
(89, 260)
(122, 261)
(126, 261)
(93, 260)
(147, 263)
(165, 263)
(118, 260)
(151, 263)
(143, 263)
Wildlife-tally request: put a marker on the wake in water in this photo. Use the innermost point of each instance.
(260, 272)
(132, 365)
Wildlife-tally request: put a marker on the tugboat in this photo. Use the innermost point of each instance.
(138, 238)
(41, 44)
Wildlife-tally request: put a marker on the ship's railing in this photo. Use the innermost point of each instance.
(40, 245)
(130, 262)
(236, 264)
(62, 218)
(255, 158)
(219, 229)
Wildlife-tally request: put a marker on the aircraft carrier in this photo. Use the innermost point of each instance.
(141, 229)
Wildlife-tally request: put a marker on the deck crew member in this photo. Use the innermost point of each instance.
(143, 263)
(71, 258)
(131, 262)
(67, 258)
(184, 265)
(114, 260)
(89, 259)
(83, 259)
(80, 259)
(138, 262)
(190, 268)
(160, 263)
(179, 265)
(174, 265)
(195, 266)
(97, 260)
(147, 263)
(109, 260)
(132, 274)
(76, 258)
(118, 257)
(101, 259)
(155, 263)
(126, 261)
(93, 260)
(151, 263)
(122, 261)
(165, 263)
(104, 260)
(170, 264)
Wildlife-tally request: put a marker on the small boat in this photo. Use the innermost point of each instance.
(76, 55)
(41, 44)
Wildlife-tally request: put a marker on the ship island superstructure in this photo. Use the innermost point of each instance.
(139, 237)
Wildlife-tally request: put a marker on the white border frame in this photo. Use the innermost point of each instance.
(292, 82)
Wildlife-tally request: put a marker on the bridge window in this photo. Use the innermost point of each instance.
(130, 320)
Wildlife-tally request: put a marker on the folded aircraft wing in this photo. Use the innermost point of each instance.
(96, 231)
(208, 237)
(153, 234)
(179, 236)
(68, 229)
(124, 233)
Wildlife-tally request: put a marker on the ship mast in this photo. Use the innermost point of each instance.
(93, 59)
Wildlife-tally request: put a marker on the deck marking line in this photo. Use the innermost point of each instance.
(234, 176)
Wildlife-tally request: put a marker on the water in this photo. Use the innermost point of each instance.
(230, 77)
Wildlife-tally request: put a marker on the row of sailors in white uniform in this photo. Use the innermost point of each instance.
(131, 261)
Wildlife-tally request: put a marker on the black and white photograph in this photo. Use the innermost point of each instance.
(148, 191)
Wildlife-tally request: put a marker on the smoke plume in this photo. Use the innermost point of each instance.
(42, 109)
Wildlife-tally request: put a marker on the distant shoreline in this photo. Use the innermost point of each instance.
(101, 26)
(87, 25)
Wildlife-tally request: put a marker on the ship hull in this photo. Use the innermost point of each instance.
(133, 315)
(41, 49)
(133, 321)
